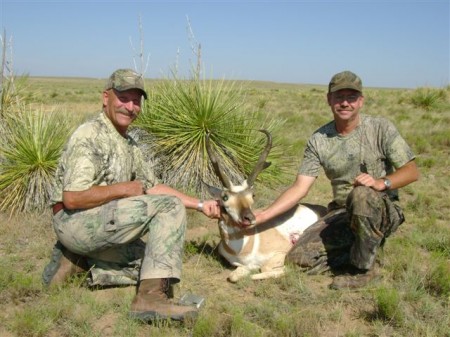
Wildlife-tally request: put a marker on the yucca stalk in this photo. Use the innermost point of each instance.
(12, 87)
(178, 116)
(12, 92)
(32, 142)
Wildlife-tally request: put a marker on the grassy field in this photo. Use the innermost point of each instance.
(412, 299)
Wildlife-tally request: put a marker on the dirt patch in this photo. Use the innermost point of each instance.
(104, 325)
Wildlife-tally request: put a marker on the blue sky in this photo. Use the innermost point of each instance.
(395, 43)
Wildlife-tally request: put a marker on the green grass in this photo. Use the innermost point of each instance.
(388, 306)
(412, 299)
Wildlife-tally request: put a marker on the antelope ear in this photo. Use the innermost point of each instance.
(215, 192)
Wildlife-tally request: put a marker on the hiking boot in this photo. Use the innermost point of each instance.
(63, 264)
(357, 278)
(152, 303)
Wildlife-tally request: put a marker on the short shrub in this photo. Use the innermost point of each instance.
(388, 305)
(438, 280)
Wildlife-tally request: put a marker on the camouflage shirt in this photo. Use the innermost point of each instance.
(375, 146)
(97, 155)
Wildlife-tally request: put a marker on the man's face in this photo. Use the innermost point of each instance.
(122, 107)
(345, 103)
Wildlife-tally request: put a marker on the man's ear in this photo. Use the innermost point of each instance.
(361, 99)
(329, 98)
(105, 97)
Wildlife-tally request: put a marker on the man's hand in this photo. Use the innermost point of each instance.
(365, 179)
(135, 187)
(211, 209)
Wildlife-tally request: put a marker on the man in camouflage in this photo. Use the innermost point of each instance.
(112, 216)
(366, 160)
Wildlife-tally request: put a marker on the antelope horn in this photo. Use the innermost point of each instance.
(261, 164)
(223, 178)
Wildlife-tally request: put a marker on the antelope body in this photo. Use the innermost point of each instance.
(248, 247)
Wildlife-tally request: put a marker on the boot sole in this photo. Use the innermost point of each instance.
(149, 316)
(54, 264)
(350, 286)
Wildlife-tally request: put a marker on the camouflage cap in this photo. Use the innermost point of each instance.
(345, 80)
(126, 79)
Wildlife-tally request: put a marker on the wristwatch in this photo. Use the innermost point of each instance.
(387, 183)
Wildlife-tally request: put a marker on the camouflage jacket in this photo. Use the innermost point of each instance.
(375, 146)
(97, 155)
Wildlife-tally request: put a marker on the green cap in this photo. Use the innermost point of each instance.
(126, 79)
(345, 80)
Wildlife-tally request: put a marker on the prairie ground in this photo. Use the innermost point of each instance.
(411, 299)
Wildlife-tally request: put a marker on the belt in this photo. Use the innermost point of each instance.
(57, 207)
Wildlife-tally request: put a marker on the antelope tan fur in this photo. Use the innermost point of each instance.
(261, 248)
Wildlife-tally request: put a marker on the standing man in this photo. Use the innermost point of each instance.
(112, 215)
(366, 160)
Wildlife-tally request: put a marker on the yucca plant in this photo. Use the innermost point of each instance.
(32, 142)
(181, 112)
(428, 98)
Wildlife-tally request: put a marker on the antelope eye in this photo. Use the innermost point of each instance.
(225, 198)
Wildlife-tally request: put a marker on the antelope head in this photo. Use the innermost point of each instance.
(237, 200)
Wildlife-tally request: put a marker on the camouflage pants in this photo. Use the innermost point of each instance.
(350, 235)
(127, 239)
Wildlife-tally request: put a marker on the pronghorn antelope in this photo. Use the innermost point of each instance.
(244, 245)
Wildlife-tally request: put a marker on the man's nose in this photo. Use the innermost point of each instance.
(129, 105)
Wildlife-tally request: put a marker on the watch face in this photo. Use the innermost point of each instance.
(387, 183)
